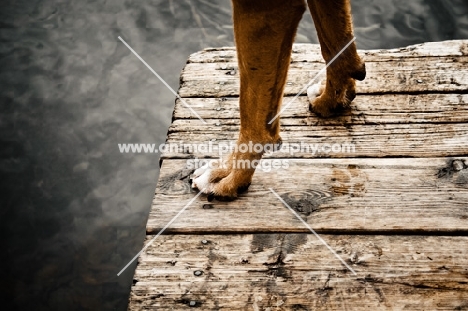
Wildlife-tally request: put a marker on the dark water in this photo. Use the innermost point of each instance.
(73, 209)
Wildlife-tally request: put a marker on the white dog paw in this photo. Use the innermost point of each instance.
(201, 177)
(314, 91)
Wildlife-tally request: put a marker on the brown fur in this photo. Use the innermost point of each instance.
(264, 33)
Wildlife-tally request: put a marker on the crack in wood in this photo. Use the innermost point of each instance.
(372, 280)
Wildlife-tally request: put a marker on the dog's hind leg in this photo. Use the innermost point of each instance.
(264, 32)
(332, 19)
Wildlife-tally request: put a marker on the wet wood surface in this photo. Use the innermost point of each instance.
(394, 207)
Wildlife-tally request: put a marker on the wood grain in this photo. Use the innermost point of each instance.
(395, 207)
(405, 76)
(312, 53)
(332, 195)
(370, 109)
(297, 272)
(391, 71)
(373, 140)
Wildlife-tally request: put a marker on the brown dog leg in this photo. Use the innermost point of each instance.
(264, 31)
(334, 26)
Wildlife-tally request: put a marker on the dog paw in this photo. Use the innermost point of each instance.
(220, 181)
(201, 178)
(339, 90)
(329, 101)
(314, 91)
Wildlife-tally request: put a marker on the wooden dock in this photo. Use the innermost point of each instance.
(395, 209)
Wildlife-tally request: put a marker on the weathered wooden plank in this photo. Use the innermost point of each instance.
(312, 53)
(371, 109)
(374, 140)
(332, 195)
(279, 266)
(296, 272)
(418, 75)
(421, 75)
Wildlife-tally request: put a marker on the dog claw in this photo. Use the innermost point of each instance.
(277, 147)
(224, 198)
(243, 189)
